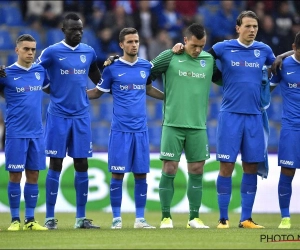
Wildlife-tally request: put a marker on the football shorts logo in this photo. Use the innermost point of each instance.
(256, 52)
(37, 75)
(202, 63)
(83, 58)
(143, 74)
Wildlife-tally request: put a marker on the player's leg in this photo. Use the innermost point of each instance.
(119, 163)
(288, 160)
(15, 158)
(252, 151)
(172, 141)
(57, 132)
(196, 152)
(80, 148)
(229, 138)
(140, 168)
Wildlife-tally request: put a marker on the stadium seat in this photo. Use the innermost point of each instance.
(273, 138)
(100, 135)
(154, 130)
(53, 36)
(12, 15)
(213, 109)
(275, 109)
(106, 109)
(6, 42)
(212, 135)
(12, 57)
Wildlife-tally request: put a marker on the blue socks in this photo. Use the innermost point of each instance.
(224, 193)
(116, 196)
(31, 193)
(284, 194)
(52, 182)
(140, 196)
(81, 183)
(248, 192)
(14, 198)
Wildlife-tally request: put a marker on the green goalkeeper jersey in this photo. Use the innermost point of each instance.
(187, 82)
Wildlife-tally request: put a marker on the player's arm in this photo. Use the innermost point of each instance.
(94, 73)
(277, 64)
(110, 60)
(152, 91)
(161, 63)
(94, 93)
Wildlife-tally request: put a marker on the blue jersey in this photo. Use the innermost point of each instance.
(68, 69)
(23, 94)
(127, 82)
(242, 74)
(288, 79)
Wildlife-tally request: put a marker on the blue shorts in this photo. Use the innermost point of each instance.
(72, 135)
(25, 153)
(240, 133)
(128, 152)
(288, 150)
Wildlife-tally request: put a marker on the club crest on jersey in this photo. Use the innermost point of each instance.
(37, 75)
(202, 63)
(256, 52)
(143, 74)
(83, 58)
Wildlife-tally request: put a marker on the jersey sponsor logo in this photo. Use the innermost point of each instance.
(168, 154)
(16, 78)
(37, 75)
(72, 71)
(29, 88)
(181, 61)
(121, 74)
(202, 63)
(293, 85)
(285, 162)
(15, 166)
(117, 168)
(191, 74)
(222, 156)
(288, 73)
(132, 86)
(143, 74)
(245, 64)
(50, 152)
(63, 58)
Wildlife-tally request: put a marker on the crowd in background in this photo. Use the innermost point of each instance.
(160, 24)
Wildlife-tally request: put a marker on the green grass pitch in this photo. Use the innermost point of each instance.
(177, 238)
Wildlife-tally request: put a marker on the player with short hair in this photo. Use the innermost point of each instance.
(240, 123)
(288, 155)
(187, 79)
(69, 64)
(128, 146)
(22, 86)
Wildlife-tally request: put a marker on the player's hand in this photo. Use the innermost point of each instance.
(2, 71)
(277, 64)
(178, 48)
(110, 60)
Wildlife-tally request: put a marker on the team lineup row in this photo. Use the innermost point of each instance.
(242, 121)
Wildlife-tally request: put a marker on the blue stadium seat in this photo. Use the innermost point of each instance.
(100, 136)
(154, 130)
(273, 138)
(12, 57)
(53, 36)
(36, 35)
(6, 42)
(12, 15)
(214, 109)
(275, 110)
(106, 109)
(212, 135)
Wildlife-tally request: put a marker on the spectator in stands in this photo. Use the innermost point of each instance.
(223, 27)
(188, 10)
(47, 12)
(171, 20)
(161, 42)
